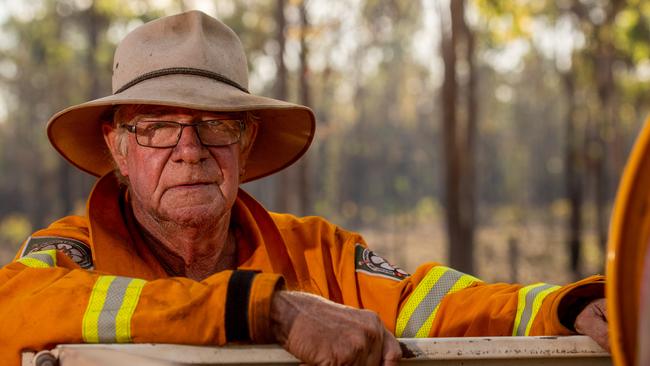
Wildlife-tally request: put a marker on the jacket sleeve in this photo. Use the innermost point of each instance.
(47, 299)
(437, 301)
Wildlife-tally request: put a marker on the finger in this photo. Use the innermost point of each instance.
(596, 328)
(391, 353)
(602, 335)
(594, 323)
(375, 339)
(602, 339)
(605, 343)
(605, 338)
(602, 305)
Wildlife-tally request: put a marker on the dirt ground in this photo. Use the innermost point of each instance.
(528, 253)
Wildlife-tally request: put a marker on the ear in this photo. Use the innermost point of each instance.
(251, 132)
(111, 138)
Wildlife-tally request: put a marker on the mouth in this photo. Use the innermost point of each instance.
(192, 185)
(195, 184)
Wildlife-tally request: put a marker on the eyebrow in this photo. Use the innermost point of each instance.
(162, 115)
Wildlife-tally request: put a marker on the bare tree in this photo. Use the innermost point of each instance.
(281, 92)
(304, 187)
(459, 139)
(573, 170)
(602, 53)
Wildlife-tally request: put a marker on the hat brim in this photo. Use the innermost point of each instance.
(284, 134)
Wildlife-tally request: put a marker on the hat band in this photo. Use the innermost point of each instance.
(181, 70)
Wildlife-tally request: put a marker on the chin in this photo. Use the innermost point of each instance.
(194, 216)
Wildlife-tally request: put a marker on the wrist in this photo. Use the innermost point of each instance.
(283, 315)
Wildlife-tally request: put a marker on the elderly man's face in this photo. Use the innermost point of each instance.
(189, 184)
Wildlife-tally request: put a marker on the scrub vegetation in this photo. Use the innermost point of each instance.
(486, 134)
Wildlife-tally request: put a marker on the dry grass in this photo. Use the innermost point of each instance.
(541, 254)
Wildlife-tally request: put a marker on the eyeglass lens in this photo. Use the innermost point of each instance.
(168, 133)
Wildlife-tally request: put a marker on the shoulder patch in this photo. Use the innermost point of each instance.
(76, 250)
(366, 261)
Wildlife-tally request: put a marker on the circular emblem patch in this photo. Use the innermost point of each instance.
(73, 249)
(370, 263)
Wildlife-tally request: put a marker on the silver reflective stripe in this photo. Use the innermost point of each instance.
(45, 258)
(108, 315)
(528, 310)
(430, 302)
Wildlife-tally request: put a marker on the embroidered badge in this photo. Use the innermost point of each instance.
(76, 250)
(371, 264)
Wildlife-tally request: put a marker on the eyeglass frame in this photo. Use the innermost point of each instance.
(132, 128)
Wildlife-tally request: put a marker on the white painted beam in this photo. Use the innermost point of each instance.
(556, 351)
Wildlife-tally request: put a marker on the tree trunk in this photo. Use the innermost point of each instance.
(459, 248)
(304, 188)
(281, 92)
(468, 173)
(606, 87)
(573, 172)
(96, 24)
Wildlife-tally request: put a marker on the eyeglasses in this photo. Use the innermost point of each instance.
(163, 134)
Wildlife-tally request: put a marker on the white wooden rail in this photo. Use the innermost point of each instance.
(556, 351)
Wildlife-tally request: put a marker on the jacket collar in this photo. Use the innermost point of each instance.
(118, 248)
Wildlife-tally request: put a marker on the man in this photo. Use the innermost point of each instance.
(172, 251)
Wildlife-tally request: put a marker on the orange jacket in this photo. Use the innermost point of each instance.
(92, 279)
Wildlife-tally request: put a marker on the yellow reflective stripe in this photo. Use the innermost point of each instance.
(464, 282)
(111, 306)
(417, 296)
(124, 315)
(529, 301)
(33, 263)
(537, 304)
(416, 316)
(90, 331)
(521, 304)
(40, 259)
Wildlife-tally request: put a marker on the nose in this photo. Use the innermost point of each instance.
(189, 148)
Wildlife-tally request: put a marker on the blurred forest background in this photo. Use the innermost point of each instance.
(486, 134)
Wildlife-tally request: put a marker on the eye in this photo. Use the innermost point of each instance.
(222, 124)
(212, 123)
(154, 126)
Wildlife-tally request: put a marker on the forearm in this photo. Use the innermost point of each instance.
(60, 304)
(442, 302)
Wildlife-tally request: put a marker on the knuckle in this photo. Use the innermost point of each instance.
(369, 314)
(357, 343)
(372, 336)
(370, 318)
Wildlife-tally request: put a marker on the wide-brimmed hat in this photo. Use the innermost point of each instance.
(188, 60)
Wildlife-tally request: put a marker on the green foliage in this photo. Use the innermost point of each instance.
(632, 33)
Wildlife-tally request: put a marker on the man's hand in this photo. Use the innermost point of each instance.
(319, 331)
(592, 321)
